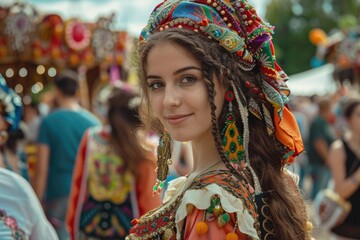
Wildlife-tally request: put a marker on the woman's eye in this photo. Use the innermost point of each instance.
(155, 85)
(188, 79)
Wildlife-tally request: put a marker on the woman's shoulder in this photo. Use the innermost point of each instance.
(17, 193)
(12, 182)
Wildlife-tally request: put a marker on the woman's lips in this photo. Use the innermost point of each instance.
(176, 119)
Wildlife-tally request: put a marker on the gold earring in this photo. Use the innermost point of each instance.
(164, 151)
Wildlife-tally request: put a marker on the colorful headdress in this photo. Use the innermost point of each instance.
(10, 104)
(237, 27)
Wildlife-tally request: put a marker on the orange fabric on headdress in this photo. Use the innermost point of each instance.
(288, 133)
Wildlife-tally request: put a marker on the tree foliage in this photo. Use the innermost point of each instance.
(293, 20)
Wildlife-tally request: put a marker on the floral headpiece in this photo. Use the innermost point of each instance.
(237, 27)
(10, 105)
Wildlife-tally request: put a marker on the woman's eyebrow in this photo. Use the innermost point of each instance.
(176, 72)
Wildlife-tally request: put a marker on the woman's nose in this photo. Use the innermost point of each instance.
(172, 97)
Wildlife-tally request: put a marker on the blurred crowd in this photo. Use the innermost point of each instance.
(329, 126)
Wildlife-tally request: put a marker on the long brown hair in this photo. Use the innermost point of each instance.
(286, 205)
(124, 121)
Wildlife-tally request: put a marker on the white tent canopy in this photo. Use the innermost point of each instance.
(318, 81)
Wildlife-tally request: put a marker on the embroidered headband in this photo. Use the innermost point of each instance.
(237, 27)
(11, 105)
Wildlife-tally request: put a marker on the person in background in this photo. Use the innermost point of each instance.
(113, 176)
(32, 120)
(21, 215)
(209, 76)
(321, 135)
(11, 156)
(344, 163)
(13, 153)
(58, 140)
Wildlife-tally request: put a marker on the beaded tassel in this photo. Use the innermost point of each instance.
(201, 228)
(232, 141)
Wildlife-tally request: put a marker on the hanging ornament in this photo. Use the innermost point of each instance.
(19, 27)
(103, 42)
(50, 32)
(232, 236)
(77, 35)
(201, 228)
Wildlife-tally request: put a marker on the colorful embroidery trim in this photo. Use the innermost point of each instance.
(11, 223)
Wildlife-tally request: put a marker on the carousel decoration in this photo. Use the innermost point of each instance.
(77, 35)
(41, 45)
(103, 40)
(19, 26)
(50, 32)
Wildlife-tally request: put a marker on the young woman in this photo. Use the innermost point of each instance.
(208, 75)
(344, 161)
(113, 176)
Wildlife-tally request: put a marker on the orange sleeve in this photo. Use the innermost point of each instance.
(214, 231)
(146, 180)
(75, 186)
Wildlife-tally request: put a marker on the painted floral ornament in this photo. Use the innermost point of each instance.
(77, 35)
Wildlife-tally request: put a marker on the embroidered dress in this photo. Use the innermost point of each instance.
(215, 198)
(104, 197)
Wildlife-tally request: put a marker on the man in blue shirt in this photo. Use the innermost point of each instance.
(60, 134)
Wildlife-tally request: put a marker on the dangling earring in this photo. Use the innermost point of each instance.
(164, 151)
(232, 142)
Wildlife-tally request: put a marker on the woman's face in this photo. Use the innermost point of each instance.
(178, 94)
(354, 120)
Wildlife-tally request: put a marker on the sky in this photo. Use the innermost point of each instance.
(130, 15)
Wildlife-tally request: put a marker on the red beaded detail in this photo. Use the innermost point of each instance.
(204, 22)
(254, 89)
(134, 221)
(248, 84)
(156, 226)
(229, 96)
